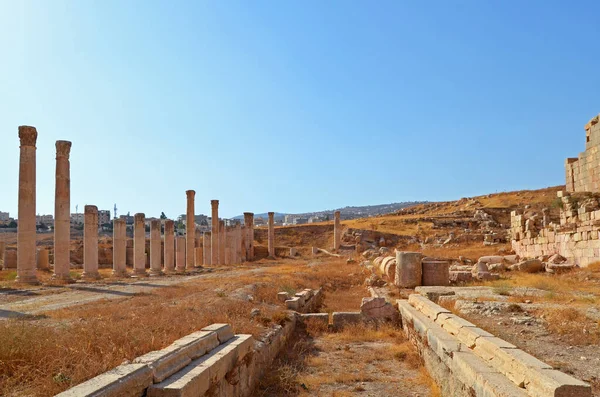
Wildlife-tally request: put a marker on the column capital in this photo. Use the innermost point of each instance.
(27, 135)
(271, 214)
(119, 221)
(214, 203)
(248, 214)
(140, 216)
(155, 224)
(63, 149)
(190, 193)
(336, 213)
(90, 209)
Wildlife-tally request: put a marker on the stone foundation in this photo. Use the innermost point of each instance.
(467, 361)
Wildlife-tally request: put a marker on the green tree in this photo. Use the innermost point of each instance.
(163, 216)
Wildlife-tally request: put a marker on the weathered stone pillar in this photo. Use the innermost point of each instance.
(10, 259)
(169, 246)
(249, 224)
(221, 242)
(408, 269)
(43, 259)
(119, 248)
(207, 252)
(199, 249)
(238, 243)
(214, 241)
(62, 213)
(139, 244)
(227, 246)
(180, 254)
(271, 239)
(155, 248)
(243, 245)
(190, 230)
(26, 254)
(2, 249)
(90, 242)
(337, 230)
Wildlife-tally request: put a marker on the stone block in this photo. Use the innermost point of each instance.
(469, 335)
(317, 317)
(283, 296)
(442, 343)
(550, 382)
(488, 347)
(224, 331)
(340, 319)
(378, 308)
(293, 303)
(426, 306)
(452, 323)
(128, 380)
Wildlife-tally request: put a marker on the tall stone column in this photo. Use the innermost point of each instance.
(222, 241)
(190, 230)
(90, 242)
(249, 223)
(238, 243)
(119, 248)
(180, 254)
(26, 253)
(139, 244)
(214, 240)
(169, 246)
(155, 248)
(199, 249)
(271, 235)
(337, 231)
(243, 245)
(207, 253)
(62, 213)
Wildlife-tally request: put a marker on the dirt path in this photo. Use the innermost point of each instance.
(31, 302)
(356, 361)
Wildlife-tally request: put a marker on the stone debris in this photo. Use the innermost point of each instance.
(378, 309)
(529, 266)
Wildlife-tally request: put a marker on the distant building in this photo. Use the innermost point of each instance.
(4, 216)
(289, 219)
(315, 219)
(47, 220)
(127, 218)
(104, 217)
(77, 219)
(259, 221)
(300, 221)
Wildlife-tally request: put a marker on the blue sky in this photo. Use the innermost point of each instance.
(294, 106)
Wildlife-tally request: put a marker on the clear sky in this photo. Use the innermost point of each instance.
(295, 106)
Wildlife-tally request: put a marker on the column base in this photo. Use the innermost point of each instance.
(139, 273)
(90, 276)
(63, 278)
(120, 273)
(28, 279)
(156, 273)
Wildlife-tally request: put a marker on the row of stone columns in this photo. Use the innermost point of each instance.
(179, 252)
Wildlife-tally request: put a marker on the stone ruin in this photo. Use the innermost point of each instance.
(167, 254)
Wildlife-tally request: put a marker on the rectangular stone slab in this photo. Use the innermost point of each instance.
(426, 306)
(224, 331)
(195, 379)
(128, 380)
(167, 361)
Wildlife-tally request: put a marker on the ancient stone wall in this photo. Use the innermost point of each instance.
(577, 237)
(583, 172)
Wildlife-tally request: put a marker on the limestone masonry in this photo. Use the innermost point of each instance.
(583, 172)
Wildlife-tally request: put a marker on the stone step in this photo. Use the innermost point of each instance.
(195, 378)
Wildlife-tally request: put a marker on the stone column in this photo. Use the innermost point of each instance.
(214, 241)
(169, 246)
(90, 242)
(238, 243)
(62, 213)
(139, 244)
(227, 244)
(155, 248)
(337, 231)
(199, 249)
(190, 231)
(221, 242)
(2, 249)
(119, 248)
(271, 240)
(408, 269)
(26, 254)
(249, 224)
(206, 253)
(43, 259)
(180, 254)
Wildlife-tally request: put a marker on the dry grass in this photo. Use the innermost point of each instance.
(45, 356)
(573, 325)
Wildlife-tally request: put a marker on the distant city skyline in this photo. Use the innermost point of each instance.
(291, 107)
